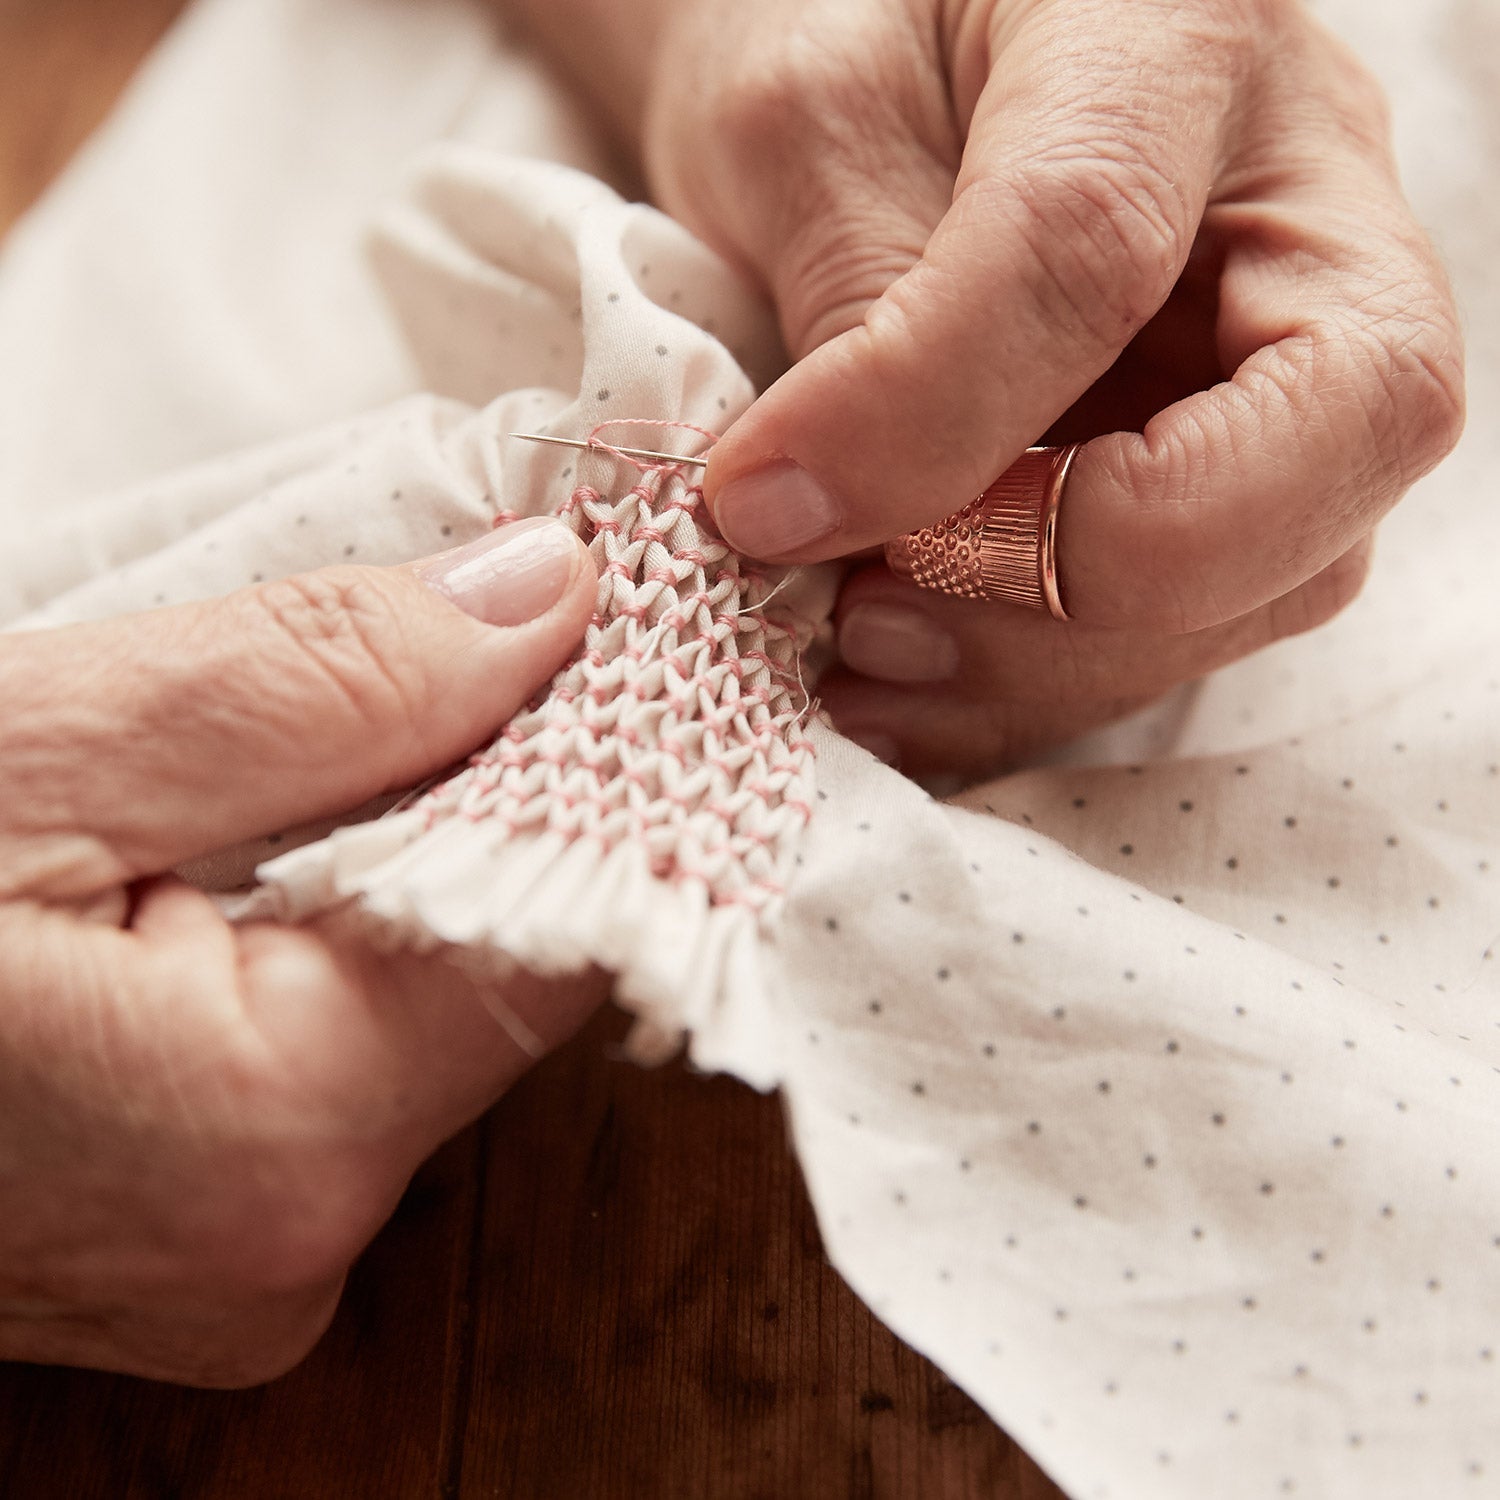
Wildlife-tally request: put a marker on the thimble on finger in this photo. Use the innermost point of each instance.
(1002, 546)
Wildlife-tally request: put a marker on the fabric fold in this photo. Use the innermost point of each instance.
(1151, 1101)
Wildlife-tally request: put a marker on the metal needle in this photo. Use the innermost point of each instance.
(612, 448)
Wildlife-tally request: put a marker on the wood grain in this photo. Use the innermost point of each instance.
(659, 1299)
(366, 1416)
(613, 1286)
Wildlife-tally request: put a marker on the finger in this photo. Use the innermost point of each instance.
(287, 1081)
(892, 631)
(433, 1020)
(1088, 163)
(358, 1063)
(172, 916)
(821, 157)
(129, 746)
(413, 1029)
(1347, 385)
(862, 166)
(420, 1022)
(946, 686)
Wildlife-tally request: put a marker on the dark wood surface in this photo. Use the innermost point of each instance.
(613, 1286)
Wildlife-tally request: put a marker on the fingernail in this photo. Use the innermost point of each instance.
(775, 511)
(881, 746)
(512, 575)
(897, 643)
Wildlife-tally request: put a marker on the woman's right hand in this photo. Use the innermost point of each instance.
(1170, 229)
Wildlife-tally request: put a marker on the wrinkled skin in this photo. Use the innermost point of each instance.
(202, 1125)
(1170, 226)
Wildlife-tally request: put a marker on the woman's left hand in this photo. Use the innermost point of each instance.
(201, 1125)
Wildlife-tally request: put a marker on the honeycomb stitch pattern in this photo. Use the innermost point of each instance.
(642, 815)
(678, 728)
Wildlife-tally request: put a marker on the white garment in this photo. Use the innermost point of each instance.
(1148, 1101)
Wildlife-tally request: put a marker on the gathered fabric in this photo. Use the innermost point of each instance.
(1147, 1090)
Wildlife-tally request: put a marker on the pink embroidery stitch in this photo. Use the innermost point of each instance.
(647, 466)
(678, 726)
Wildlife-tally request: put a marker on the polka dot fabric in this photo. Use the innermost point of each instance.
(1151, 1100)
(645, 814)
(1192, 1208)
(1159, 1108)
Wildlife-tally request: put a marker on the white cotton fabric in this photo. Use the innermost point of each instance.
(1151, 1101)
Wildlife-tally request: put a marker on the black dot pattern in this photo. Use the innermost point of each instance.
(1147, 1109)
(1152, 1099)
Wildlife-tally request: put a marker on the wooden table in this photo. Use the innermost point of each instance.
(612, 1287)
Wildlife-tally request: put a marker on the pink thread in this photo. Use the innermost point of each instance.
(647, 466)
(678, 727)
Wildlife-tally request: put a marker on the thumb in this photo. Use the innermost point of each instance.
(1069, 222)
(129, 746)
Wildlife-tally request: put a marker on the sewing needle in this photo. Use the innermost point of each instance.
(611, 448)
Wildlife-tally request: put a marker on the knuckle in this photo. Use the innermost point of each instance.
(1367, 106)
(302, 1230)
(1424, 384)
(1110, 233)
(1399, 351)
(342, 633)
(254, 1344)
(831, 277)
(816, 123)
(1323, 597)
(787, 97)
(1313, 82)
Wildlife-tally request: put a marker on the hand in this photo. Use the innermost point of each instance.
(1170, 226)
(204, 1125)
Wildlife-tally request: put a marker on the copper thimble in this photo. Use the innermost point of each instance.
(1002, 546)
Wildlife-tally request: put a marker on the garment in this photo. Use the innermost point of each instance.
(1148, 1099)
